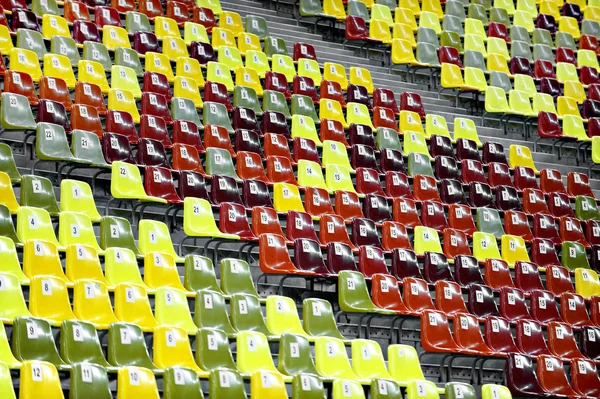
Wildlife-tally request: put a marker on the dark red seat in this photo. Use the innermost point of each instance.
(385, 98)
(530, 338)
(467, 149)
(449, 55)
(247, 140)
(106, 16)
(543, 69)
(525, 178)
(559, 205)
(53, 112)
(497, 29)
(441, 146)
(549, 85)
(12, 5)
(144, 42)
(22, 18)
(499, 175)
(588, 75)
(590, 109)
(158, 182)
(155, 82)
(543, 307)
(192, 184)
(573, 308)
(340, 257)
(305, 149)
(412, 102)
(203, 52)
(391, 160)
(507, 198)
(233, 220)
(224, 189)
(546, 21)
(498, 335)
(275, 124)
(304, 50)
(570, 230)
(363, 156)
(451, 192)
(204, 16)
(217, 92)
(521, 378)
(493, 152)
(151, 153)
(435, 267)
(543, 251)
(371, 260)
(572, 10)
(588, 42)
(549, 126)
(115, 147)
(156, 104)
(244, 118)
(512, 304)
(481, 301)
(186, 132)
(305, 86)
(578, 184)
(356, 28)
(154, 127)
(384, 119)
(472, 171)
(565, 54)
(376, 208)
(367, 182)
(277, 82)
(433, 215)
(364, 232)
(519, 66)
(300, 225)
(310, 258)
(396, 185)
(358, 94)
(445, 168)
(405, 264)
(466, 270)
(256, 193)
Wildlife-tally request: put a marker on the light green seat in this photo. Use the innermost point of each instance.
(520, 33)
(51, 144)
(219, 162)
(97, 52)
(257, 25)
(474, 59)
(15, 113)
(488, 221)
(31, 40)
(275, 101)
(501, 80)
(66, 46)
(477, 11)
(565, 39)
(543, 52)
(86, 146)
(128, 58)
(246, 97)
(418, 164)
(542, 36)
(388, 138)
(452, 23)
(185, 109)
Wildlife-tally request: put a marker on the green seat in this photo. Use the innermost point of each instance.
(501, 80)
(390, 3)
(589, 27)
(454, 8)
(353, 294)
(274, 45)
(275, 101)
(246, 97)
(15, 113)
(474, 59)
(586, 208)
(79, 343)
(93, 51)
(543, 52)
(42, 7)
(521, 49)
(7, 228)
(477, 11)
(246, 314)
(184, 109)
(487, 4)
(116, 232)
(31, 40)
(427, 35)
(181, 382)
(236, 277)
(565, 39)
(89, 381)
(8, 165)
(427, 54)
(137, 21)
(66, 46)
(129, 58)
(227, 383)
(303, 105)
(51, 144)
(453, 24)
(318, 320)
(32, 339)
(418, 164)
(38, 192)
(306, 386)
(542, 36)
(451, 39)
(127, 347)
(488, 221)
(86, 145)
(388, 138)
(211, 312)
(385, 389)
(257, 25)
(294, 355)
(359, 10)
(573, 256)
(212, 350)
(519, 33)
(500, 15)
(459, 390)
(199, 274)
(215, 114)
(219, 162)
(310, 8)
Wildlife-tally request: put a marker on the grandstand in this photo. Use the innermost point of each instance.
(306, 199)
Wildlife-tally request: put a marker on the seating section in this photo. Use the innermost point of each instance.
(279, 221)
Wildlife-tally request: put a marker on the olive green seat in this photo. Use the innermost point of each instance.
(573, 255)
(181, 383)
(257, 25)
(199, 274)
(236, 277)
(226, 383)
(127, 347)
(89, 381)
(38, 192)
(212, 350)
(79, 343)
(246, 315)
(32, 339)
(294, 355)
(211, 312)
(318, 319)
(7, 228)
(8, 165)
(116, 232)
(586, 208)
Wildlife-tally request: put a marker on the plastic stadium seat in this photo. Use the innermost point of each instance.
(584, 377)
(543, 307)
(573, 309)
(49, 299)
(39, 378)
(571, 230)
(516, 224)
(544, 227)
(498, 335)
(512, 304)
(513, 249)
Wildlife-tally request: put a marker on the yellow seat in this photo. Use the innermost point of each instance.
(415, 142)
(543, 102)
(7, 360)
(405, 32)
(587, 58)
(12, 294)
(338, 177)
(567, 106)
(171, 309)
(171, 348)
(422, 389)
(524, 19)
(198, 220)
(451, 78)
(362, 77)
(59, 66)
(310, 174)
(39, 379)
(219, 73)
(7, 194)
(124, 78)
(247, 42)
(550, 7)
(26, 61)
(230, 57)
(491, 391)
(412, 5)
(475, 43)
(83, 262)
(189, 68)
(232, 21)
(121, 267)
(283, 64)
(6, 43)
(160, 270)
(404, 365)
(282, 316)
(569, 25)
(160, 63)
(572, 125)
(508, 5)
(193, 32)
(136, 382)
(133, 306)
(566, 71)
(436, 125)
(407, 17)
(310, 68)
(49, 299)
(331, 359)
(358, 114)
(40, 258)
(410, 122)
(432, 6)
(495, 100)
(9, 260)
(520, 155)
(268, 385)
(525, 84)
(485, 246)
(91, 303)
(54, 25)
(513, 249)
(587, 283)
(164, 27)
(402, 52)
(222, 37)
(35, 224)
(187, 88)
(497, 62)
(214, 5)
(475, 27)
(367, 360)
(248, 77)
(575, 90)
(258, 61)
(154, 236)
(497, 46)
(592, 13)
(334, 8)
(528, 6)
(254, 353)
(114, 36)
(430, 20)
(92, 72)
(336, 73)
(123, 100)
(380, 12)
(426, 240)
(335, 153)
(126, 183)
(286, 196)
(76, 228)
(519, 104)
(304, 127)
(174, 47)
(380, 30)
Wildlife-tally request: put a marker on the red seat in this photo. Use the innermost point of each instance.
(481, 301)
(154, 127)
(525, 178)
(106, 16)
(534, 201)
(385, 98)
(472, 171)
(274, 123)
(460, 218)
(224, 189)
(578, 184)
(558, 281)
(527, 277)
(404, 210)
(279, 170)
(158, 182)
(449, 55)
(310, 257)
(544, 227)
(317, 202)
(12, 5)
(304, 50)
(552, 376)
(305, 149)
(347, 205)
(364, 232)
(521, 378)
(512, 304)
(185, 157)
(115, 147)
(451, 192)
(256, 193)
(192, 184)
(456, 243)
(123, 5)
(592, 232)
(584, 378)
(570, 230)
(543, 251)
(516, 223)
(217, 137)
(416, 295)
(367, 181)
(467, 149)
(549, 126)
(300, 225)
(543, 69)
(330, 90)
(249, 166)
(433, 215)
(385, 293)
(265, 220)
(277, 82)
(152, 8)
(204, 16)
(436, 335)
(305, 86)
(543, 307)
(551, 181)
(497, 274)
(559, 205)
(156, 105)
(85, 117)
(371, 260)
(333, 229)
(561, 341)
(493, 152)
(595, 310)
(54, 89)
(217, 92)
(564, 54)
(233, 220)
(186, 132)
(155, 82)
(425, 188)
(90, 94)
(499, 175)
(498, 335)
(396, 185)
(405, 264)
(333, 130)
(178, 12)
(412, 102)
(468, 336)
(394, 235)
(20, 83)
(74, 10)
(384, 118)
(573, 308)
(507, 198)
(448, 298)
(276, 145)
(497, 29)
(274, 257)
(530, 338)
(340, 257)
(144, 42)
